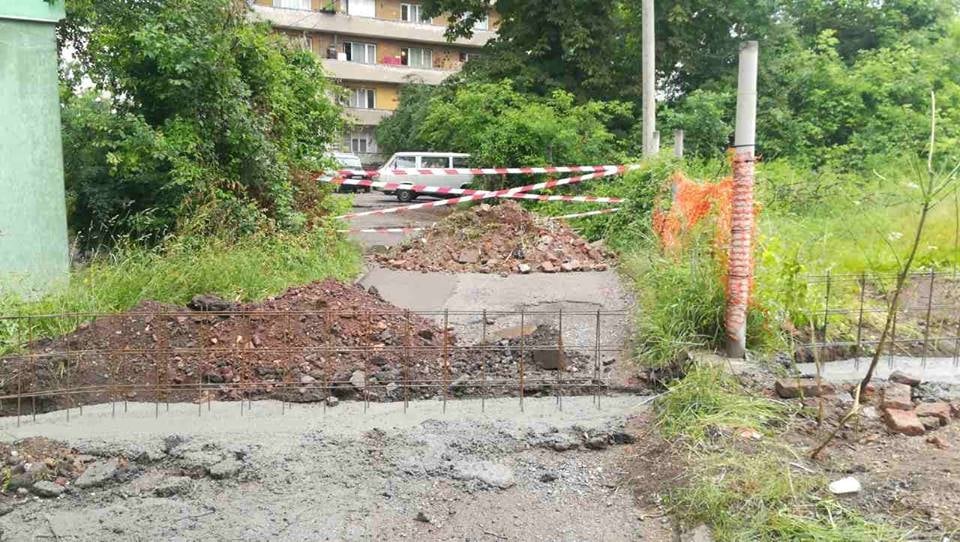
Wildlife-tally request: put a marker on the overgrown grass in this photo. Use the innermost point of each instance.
(708, 399)
(745, 489)
(681, 306)
(680, 303)
(246, 269)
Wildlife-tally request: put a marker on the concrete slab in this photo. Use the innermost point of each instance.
(268, 422)
(938, 370)
(542, 297)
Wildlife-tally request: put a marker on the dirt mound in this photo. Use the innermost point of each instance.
(305, 345)
(308, 336)
(501, 238)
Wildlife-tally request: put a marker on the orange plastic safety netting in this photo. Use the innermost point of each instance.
(690, 203)
(689, 207)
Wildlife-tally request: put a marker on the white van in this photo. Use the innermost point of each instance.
(423, 160)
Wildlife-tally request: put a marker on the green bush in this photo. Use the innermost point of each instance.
(502, 127)
(194, 111)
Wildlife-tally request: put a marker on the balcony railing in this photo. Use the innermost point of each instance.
(383, 73)
(341, 23)
(368, 117)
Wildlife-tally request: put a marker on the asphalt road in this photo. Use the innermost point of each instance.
(407, 219)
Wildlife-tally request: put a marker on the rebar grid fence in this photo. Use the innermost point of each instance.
(845, 315)
(66, 361)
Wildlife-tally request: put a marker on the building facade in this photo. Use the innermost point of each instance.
(372, 48)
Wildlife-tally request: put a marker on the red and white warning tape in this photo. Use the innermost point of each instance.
(579, 199)
(418, 188)
(495, 194)
(580, 215)
(483, 170)
(381, 230)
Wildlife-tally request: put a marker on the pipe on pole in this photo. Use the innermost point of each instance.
(649, 79)
(740, 266)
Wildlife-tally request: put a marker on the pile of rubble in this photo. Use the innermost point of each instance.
(898, 402)
(44, 468)
(326, 341)
(503, 238)
(40, 467)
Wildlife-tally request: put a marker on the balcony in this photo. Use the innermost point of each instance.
(341, 23)
(383, 73)
(368, 117)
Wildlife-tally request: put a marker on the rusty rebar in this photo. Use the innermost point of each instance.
(561, 365)
(523, 342)
(596, 363)
(406, 362)
(33, 363)
(926, 325)
(826, 312)
(446, 360)
(483, 364)
(859, 351)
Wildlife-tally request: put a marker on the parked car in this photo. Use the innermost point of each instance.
(346, 160)
(423, 160)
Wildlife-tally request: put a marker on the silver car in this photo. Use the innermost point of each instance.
(423, 160)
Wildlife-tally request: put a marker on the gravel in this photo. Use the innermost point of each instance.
(348, 475)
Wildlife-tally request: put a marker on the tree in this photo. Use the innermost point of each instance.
(581, 46)
(500, 126)
(195, 114)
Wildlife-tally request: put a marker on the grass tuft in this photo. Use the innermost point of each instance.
(246, 269)
(744, 489)
(708, 399)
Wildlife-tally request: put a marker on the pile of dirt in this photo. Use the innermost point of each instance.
(501, 238)
(307, 344)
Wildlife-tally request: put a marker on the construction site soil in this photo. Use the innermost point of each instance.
(502, 238)
(324, 341)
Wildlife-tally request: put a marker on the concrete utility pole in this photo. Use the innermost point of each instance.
(649, 80)
(33, 226)
(678, 143)
(740, 272)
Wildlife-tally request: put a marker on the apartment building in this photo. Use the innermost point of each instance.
(372, 48)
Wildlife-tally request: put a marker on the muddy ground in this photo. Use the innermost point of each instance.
(496, 475)
(908, 480)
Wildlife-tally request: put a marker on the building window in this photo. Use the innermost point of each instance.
(364, 53)
(362, 98)
(416, 57)
(413, 13)
(292, 4)
(466, 57)
(358, 145)
(362, 8)
(482, 24)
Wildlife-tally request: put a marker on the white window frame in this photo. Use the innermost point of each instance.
(369, 52)
(356, 142)
(424, 57)
(413, 13)
(362, 8)
(303, 5)
(362, 98)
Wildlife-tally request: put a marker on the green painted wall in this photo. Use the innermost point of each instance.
(32, 10)
(33, 227)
